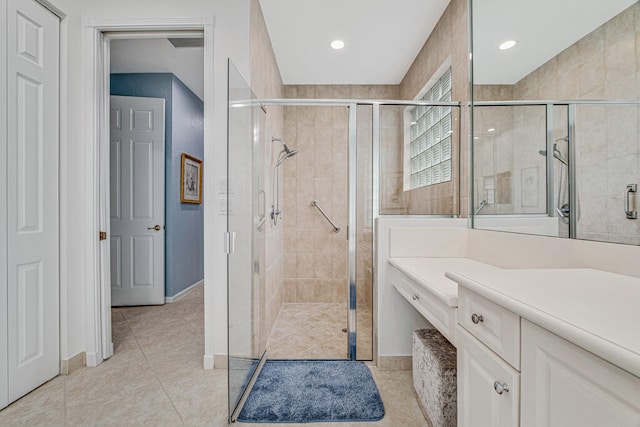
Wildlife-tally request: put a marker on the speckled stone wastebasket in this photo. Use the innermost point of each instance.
(434, 376)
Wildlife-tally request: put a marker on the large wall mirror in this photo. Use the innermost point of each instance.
(556, 146)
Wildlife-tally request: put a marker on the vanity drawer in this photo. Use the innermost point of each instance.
(441, 316)
(496, 327)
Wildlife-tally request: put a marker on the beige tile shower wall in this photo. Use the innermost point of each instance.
(509, 172)
(486, 165)
(315, 256)
(449, 39)
(510, 153)
(605, 64)
(267, 83)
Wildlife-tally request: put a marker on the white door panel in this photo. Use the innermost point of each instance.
(137, 200)
(4, 386)
(32, 197)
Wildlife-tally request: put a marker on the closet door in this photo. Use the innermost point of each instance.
(32, 271)
(4, 385)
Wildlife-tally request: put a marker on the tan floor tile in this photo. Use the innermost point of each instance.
(42, 407)
(156, 378)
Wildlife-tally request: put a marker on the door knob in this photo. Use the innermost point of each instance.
(156, 227)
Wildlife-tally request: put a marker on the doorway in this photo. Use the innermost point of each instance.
(157, 236)
(107, 33)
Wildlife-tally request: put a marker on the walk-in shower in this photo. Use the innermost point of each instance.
(302, 285)
(286, 153)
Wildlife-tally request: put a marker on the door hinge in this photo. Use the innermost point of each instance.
(103, 235)
(229, 242)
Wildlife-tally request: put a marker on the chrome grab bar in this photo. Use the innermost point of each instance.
(333, 224)
(631, 188)
(482, 205)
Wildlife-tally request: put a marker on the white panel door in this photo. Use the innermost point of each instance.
(566, 386)
(137, 200)
(32, 197)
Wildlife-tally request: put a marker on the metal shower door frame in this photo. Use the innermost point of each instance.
(352, 226)
(351, 232)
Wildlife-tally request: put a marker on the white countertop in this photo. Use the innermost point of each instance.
(596, 310)
(430, 273)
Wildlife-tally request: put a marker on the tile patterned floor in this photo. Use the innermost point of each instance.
(314, 331)
(309, 331)
(155, 378)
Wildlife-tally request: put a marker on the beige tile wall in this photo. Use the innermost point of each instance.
(449, 39)
(267, 83)
(315, 256)
(605, 64)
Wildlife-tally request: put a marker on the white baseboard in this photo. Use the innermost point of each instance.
(76, 362)
(208, 361)
(182, 293)
(93, 359)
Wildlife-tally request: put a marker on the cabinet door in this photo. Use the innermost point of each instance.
(566, 386)
(488, 388)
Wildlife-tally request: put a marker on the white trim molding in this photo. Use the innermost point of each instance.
(208, 361)
(96, 53)
(177, 297)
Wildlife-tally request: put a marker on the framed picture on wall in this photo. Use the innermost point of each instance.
(191, 180)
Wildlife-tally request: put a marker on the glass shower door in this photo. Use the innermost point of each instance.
(245, 235)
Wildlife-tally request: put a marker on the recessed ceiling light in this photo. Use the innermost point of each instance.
(507, 45)
(491, 130)
(337, 44)
(476, 137)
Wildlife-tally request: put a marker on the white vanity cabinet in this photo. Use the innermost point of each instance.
(488, 338)
(488, 387)
(512, 372)
(566, 386)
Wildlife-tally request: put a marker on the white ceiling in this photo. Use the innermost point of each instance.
(159, 56)
(382, 38)
(379, 47)
(542, 28)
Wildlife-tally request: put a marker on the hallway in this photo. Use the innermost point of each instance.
(155, 378)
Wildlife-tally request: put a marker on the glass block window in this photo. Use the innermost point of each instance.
(430, 137)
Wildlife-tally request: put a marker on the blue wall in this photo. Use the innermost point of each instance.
(184, 234)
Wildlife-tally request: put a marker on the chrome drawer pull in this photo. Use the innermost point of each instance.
(500, 387)
(476, 318)
(415, 297)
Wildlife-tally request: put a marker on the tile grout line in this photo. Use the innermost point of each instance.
(153, 372)
(64, 401)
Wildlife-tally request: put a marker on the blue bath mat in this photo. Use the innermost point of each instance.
(305, 391)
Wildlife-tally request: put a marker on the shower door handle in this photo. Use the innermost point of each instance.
(631, 188)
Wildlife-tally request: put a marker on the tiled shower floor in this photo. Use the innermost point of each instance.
(314, 331)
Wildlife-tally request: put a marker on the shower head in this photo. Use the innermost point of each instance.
(289, 152)
(556, 153)
(285, 154)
